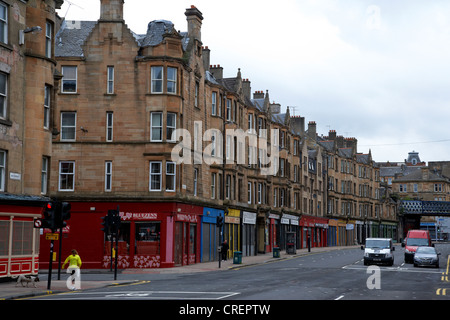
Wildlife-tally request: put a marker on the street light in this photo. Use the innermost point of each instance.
(33, 30)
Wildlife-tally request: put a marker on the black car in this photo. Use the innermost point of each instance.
(426, 256)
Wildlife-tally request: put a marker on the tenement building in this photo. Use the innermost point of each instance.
(148, 125)
(28, 81)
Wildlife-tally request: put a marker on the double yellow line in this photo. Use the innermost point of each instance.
(444, 278)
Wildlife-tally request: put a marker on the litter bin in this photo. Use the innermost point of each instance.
(276, 252)
(237, 257)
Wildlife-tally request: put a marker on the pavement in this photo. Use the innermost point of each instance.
(100, 278)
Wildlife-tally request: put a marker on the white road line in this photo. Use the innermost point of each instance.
(339, 298)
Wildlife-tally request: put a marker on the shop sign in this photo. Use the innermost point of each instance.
(138, 216)
(187, 217)
(290, 219)
(249, 217)
(274, 216)
(233, 220)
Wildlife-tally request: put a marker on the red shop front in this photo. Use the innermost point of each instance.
(19, 239)
(316, 228)
(152, 235)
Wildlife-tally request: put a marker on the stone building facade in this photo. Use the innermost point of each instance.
(28, 79)
(121, 99)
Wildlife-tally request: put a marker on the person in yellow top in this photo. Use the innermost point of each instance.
(74, 261)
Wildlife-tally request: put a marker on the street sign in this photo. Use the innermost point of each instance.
(37, 223)
(52, 236)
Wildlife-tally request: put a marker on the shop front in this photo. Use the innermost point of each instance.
(151, 235)
(272, 232)
(232, 231)
(248, 233)
(19, 239)
(314, 229)
(211, 238)
(332, 232)
(289, 225)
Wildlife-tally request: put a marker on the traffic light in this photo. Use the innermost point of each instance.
(115, 221)
(49, 216)
(111, 222)
(107, 224)
(219, 222)
(64, 214)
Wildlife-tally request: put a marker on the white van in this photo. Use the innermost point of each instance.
(378, 250)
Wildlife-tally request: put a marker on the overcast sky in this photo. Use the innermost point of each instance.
(375, 70)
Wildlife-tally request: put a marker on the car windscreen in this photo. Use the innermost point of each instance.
(426, 250)
(375, 243)
(416, 242)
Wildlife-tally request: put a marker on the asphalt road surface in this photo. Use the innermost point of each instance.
(334, 275)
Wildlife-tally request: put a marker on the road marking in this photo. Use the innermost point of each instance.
(382, 268)
(151, 295)
(444, 291)
(339, 298)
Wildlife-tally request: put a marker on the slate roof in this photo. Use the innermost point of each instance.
(72, 35)
(417, 176)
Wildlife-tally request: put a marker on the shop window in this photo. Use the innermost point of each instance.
(192, 238)
(123, 243)
(4, 238)
(148, 238)
(22, 238)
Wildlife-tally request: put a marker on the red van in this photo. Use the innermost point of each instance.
(414, 239)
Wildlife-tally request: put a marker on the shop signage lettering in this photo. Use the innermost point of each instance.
(186, 217)
(249, 217)
(138, 216)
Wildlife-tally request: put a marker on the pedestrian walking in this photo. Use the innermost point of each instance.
(224, 250)
(74, 261)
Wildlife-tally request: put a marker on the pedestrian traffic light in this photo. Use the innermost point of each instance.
(49, 216)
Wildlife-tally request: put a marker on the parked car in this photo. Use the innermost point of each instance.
(426, 256)
(378, 250)
(415, 239)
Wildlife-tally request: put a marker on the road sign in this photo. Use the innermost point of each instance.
(52, 236)
(37, 223)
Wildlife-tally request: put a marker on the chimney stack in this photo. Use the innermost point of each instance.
(217, 71)
(246, 88)
(312, 129)
(194, 19)
(332, 135)
(111, 10)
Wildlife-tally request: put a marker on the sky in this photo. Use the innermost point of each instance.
(377, 70)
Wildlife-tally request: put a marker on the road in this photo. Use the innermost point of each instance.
(334, 275)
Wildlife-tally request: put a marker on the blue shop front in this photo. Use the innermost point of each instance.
(211, 238)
